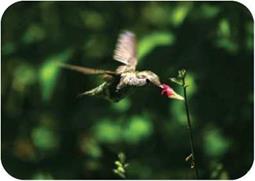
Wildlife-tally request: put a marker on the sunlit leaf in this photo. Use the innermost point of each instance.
(42, 176)
(209, 11)
(34, 33)
(178, 113)
(227, 44)
(215, 143)
(225, 38)
(137, 129)
(155, 14)
(24, 76)
(149, 42)
(180, 13)
(91, 147)
(44, 138)
(122, 105)
(107, 131)
(49, 72)
(192, 86)
(224, 28)
(93, 19)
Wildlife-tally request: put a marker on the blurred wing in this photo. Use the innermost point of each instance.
(125, 51)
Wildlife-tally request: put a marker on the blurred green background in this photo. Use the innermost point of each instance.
(49, 133)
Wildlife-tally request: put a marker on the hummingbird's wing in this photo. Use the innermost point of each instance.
(125, 51)
(86, 70)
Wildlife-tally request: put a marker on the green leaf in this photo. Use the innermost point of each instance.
(91, 147)
(224, 28)
(215, 143)
(122, 157)
(44, 138)
(176, 81)
(117, 163)
(49, 71)
(24, 76)
(42, 176)
(180, 13)
(108, 131)
(122, 105)
(209, 11)
(137, 129)
(34, 33)
(149, 42)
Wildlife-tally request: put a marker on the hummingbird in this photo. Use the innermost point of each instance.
(117, 83)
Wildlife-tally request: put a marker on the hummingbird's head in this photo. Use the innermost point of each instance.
(169, 92)
(150, 77)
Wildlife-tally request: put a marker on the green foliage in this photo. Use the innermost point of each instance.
(24, 76)
(44, 138)
(108, 131)
(180, 13)
(137, 129)
(91, 147)
(33, 34)
(93, 19)
(42, 176)
(49, 133)
(209, 11)
(122, 106)
(149, 42)
(121, 165)
(226, 39)
(133, 131)
(49, 73)
(215, 143)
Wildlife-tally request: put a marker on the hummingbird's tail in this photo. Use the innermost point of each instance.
(86, 70)
(98, 91)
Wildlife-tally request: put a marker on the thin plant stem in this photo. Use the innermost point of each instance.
(194, 163)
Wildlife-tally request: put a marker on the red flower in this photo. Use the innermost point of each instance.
(169, 92)
(166, 90)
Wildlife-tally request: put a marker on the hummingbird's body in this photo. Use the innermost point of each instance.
(118, 83)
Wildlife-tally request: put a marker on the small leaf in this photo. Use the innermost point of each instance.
(151, 41)
(176, 81)
(121, 175)
(122, 157)
(49, 71)
(118, 163)
(115, 171)
(121, 170)
(182, 73)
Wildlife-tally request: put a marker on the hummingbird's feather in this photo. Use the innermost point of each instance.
(107, 90)
(96, 91)
(86, 70)
(125, 51)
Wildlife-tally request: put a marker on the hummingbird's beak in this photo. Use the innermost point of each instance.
(170, 93)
